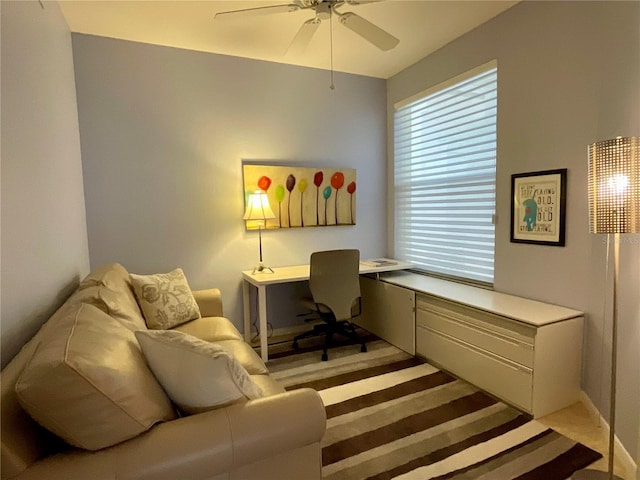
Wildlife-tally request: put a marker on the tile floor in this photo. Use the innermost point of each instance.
(577, 423)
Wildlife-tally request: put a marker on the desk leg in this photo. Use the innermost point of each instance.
(246, 300)
(262, 315)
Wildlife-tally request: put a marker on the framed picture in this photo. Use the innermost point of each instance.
(538, 207)
(303, 196)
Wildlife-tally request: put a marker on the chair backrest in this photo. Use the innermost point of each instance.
(334, 280)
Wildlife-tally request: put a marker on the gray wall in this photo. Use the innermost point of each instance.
(568, 75)
(44, 235)
(163, 134)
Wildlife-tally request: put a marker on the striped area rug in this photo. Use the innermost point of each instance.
(394, 416)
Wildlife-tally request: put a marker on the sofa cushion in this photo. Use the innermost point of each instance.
(112, 275)
(165, 298)
(210, 329)
(246, 355)
(268, 385)
(109, 288)
(116, 304)
(197, 375)
(88, 382)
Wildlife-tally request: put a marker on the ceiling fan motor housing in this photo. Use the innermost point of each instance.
(323, 10)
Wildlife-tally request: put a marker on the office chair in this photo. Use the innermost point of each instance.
(334, 282)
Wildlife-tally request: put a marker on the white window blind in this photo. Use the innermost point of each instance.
(445, 176)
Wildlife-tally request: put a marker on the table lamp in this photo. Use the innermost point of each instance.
(614, 208)
(259, 211)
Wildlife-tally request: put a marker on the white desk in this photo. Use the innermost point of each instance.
(297, 273)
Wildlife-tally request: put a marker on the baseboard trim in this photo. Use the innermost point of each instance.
(620, 452)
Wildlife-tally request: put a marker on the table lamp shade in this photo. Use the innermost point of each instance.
(614, 186)
(258, 207)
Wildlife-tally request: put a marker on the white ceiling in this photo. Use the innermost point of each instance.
(422, 26)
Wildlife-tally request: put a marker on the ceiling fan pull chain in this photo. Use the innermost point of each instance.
(332, 86)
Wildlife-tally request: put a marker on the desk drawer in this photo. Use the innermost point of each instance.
(490, 372)
(517, 348)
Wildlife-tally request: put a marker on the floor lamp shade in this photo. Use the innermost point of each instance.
(614, 186)
(614, 208)
(259, 211)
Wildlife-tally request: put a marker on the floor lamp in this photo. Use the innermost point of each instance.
(259, 211)
(614, 208)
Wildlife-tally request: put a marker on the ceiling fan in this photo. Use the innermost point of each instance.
(324, 9)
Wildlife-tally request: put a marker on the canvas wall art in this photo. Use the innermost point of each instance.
(304, 196)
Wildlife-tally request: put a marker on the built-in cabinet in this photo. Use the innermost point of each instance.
(388, 311)
(524, 352)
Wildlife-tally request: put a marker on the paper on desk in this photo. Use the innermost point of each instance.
(378, 262)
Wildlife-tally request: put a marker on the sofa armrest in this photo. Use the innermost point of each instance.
(209, 301)
(200, 446)
(277, 423)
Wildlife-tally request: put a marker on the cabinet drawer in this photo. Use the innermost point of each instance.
(496, 375)
(513, 347)
(496, 323)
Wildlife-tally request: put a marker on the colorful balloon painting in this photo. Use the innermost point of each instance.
(279, 199)
(351, 189)
(337, 181)
(291, 182)
(302, 186)
(326, 205)
(264, 183)
(318, 177)
(326, 194)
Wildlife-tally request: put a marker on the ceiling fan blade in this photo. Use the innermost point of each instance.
(255, 12)
(361, 2)
(303, 37)
(367, 30)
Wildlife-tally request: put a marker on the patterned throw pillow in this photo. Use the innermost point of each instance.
(197, 375)
(165, 299)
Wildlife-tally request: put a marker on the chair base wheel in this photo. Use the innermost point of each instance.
(363, 348)
(325, 357)
(295, 345)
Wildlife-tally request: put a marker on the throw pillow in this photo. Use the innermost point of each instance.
(165, 299)
(197, 375)
(88, 382)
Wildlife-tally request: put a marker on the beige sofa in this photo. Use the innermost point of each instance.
(273, 437)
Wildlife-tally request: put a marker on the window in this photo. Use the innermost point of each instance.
(445, 176)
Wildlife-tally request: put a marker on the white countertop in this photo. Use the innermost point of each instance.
(522, 309)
